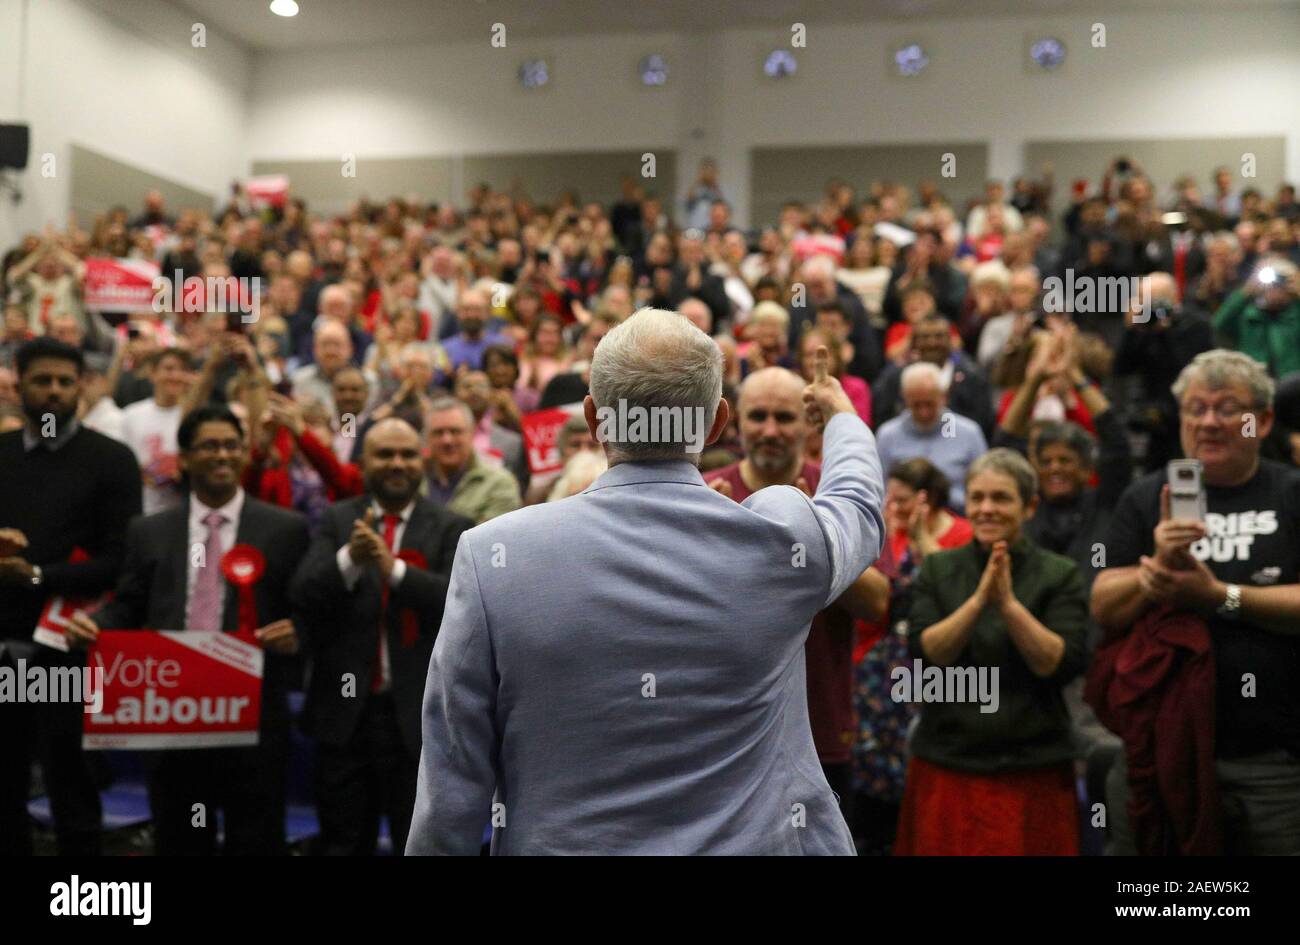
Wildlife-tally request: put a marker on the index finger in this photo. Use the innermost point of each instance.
(1164, 503)
(821, 364)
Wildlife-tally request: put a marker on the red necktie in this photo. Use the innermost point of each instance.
(377, 678)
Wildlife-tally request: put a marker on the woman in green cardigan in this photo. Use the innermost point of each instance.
(997, 628)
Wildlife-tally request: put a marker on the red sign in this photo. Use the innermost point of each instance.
(541, 436)
(156, 689)
(52, 625)
(120, 285)
(270, 190)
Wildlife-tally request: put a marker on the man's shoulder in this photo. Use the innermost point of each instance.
(505, 435)
(273, 516)
(891, 428)
(549, 523)
(1144, 492)
(424, 507)
(106, 446)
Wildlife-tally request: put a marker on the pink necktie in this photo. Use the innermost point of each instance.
(205, 604)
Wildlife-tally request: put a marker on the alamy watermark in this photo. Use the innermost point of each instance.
(64, 684)
(240, 294)
(920, 683)
(636, 424)
(1095, 294)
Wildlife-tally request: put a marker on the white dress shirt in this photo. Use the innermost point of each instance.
(351, 572)
(198, 535)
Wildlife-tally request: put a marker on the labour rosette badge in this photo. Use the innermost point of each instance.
(243, 566)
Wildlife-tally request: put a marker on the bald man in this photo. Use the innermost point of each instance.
(773, 432)
(372, 588)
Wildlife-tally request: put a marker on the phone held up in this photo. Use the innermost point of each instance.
(1186, 489)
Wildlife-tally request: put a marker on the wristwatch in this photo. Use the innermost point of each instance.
(37, 575)
(1231, 606)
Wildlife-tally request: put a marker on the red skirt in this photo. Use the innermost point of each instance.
(1013, 813)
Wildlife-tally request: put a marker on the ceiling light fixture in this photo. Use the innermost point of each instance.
(284, 7)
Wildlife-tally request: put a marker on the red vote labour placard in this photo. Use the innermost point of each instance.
(541, 431)
(119, 284)
(159, 689)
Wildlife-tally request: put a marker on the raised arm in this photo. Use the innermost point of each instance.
(851, 493)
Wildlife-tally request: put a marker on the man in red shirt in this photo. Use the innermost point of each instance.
(773, 429)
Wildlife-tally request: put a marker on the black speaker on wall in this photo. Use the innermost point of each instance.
(14, 143)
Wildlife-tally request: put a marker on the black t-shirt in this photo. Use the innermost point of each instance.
(1254, 541)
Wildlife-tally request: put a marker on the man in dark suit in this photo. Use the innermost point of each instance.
(66, 494)
(380, 561)
(167, 585)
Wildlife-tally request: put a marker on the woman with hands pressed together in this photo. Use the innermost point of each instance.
(999, 627)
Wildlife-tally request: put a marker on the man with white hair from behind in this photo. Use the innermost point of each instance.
(648, 697)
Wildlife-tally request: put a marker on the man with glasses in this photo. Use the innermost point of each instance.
(167, 584)
(1239, 569)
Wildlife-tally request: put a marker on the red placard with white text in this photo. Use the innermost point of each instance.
(270, 190)
(541, 433)
(160, 689)
(120, 285)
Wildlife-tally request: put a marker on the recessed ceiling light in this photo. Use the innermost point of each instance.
(911, 59)
(534, 73)
(780, 63)
(654, 70)
(1048, 53)
(284, 7)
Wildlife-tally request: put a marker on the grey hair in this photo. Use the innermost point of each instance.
(921, 369)
(657, 359)
(1218, 368)
(1008, 463)
(451, 403)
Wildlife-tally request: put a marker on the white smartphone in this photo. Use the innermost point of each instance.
(1186, 491)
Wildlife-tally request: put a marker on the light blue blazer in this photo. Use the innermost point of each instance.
(622, 672)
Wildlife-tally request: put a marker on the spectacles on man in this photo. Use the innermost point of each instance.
(1227, 411)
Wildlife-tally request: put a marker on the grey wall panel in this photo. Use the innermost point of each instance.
(99, 182)
(326, 190)
(801, 173)
(594, 175)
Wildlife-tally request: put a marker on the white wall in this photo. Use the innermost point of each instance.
(121, 77)
(1160, 75)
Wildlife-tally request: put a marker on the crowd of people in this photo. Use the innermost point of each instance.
(376, 405)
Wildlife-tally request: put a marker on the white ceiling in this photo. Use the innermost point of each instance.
(323, 23)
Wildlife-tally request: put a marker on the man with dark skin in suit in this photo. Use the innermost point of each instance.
(164, 586)
(372, 589)
(214, 464)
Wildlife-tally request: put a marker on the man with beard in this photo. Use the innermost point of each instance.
(66, 495)
(166, 585)
(373, 586)
(773, 430)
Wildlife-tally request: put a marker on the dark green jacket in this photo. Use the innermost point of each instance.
(1272, 339)
(1031, 726)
